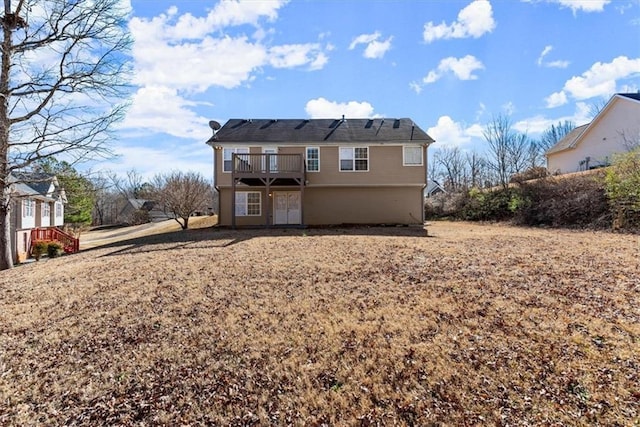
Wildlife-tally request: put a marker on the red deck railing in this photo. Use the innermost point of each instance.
(69, 243)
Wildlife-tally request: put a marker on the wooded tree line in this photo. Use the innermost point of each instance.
(100, 198)
(507, 153)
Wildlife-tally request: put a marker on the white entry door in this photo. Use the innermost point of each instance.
(286, 207)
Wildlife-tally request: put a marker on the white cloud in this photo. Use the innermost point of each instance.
(149, 161)
(556, 99)
(462, 68)
(450, 133)
(557, 64)
(296, 55)
(583, 5)
(416, 87)
(473, 21)
(224, 14)
(181, 51)
(509, 108)
(375, 48)
(600, 80)
(535, 125)
(550, 64)
(321, 108)
(158, 109)
(226, 62)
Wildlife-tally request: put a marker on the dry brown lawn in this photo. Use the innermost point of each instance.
(473, 325)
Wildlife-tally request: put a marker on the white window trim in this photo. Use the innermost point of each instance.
(46, 209)
(245, 150)
(28, 208)
(245, 203)
(271, 149)
(58, 207)
(353, 151)
(404, 157)
(306, 159)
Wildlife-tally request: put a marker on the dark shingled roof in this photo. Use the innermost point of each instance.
(569, 140)
(320, 130)
(32, 183)
(635, 96)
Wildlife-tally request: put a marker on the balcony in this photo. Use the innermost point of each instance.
(267, 169)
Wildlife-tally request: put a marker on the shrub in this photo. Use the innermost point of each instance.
(531, 173)
(490, 205)
(564, 201)
(39, 248)
(622, 184)
(54, 249)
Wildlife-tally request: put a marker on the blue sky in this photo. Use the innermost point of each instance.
(448, 65)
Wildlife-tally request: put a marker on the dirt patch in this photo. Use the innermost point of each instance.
(473, 325)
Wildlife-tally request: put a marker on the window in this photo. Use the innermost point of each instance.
(227, 154)
(273, 159)
(412, 156)
(248, 203)
(354, 159)
(46, 209)
(27, 208)
(58, 209)
(313, 159)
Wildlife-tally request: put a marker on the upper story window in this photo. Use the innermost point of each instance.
(227, 156)
(312, 159)
(354, 159)
(412, 156)
(28, 207)
(46, 209)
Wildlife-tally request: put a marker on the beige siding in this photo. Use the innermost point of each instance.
(602, 140)
(23, 245)
(388, 192)
(224, 217)
(385, 166)
(363, 205)
(341, 205)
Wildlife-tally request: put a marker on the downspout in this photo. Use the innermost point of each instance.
(426, 181)
(216, 190)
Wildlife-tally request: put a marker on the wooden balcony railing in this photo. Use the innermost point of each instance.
(268, 165)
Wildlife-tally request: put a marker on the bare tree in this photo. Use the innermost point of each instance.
(62, 77)
(132, 185)
(630, 139)
(552, 135)
(498, 134)
(453, 167)
(183, 194)
(597, 106)
(508, 150)
(476, 165)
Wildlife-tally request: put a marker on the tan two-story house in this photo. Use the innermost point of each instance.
(320, 171)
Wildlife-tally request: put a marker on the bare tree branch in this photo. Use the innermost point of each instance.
(63, 76)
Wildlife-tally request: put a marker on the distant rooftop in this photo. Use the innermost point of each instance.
(635, 96)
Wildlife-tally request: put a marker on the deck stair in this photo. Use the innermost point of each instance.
(69, 243)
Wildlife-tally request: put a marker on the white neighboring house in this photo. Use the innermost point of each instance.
(38, 203)
(612, 131)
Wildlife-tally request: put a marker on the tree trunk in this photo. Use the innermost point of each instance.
(6, 257)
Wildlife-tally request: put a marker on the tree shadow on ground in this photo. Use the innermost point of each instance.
(220, 238)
